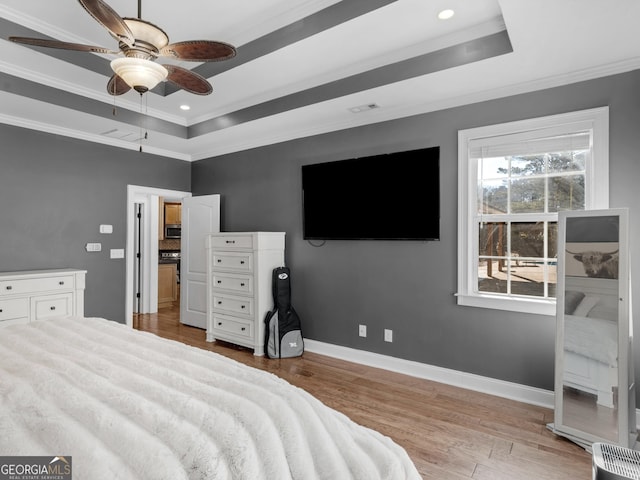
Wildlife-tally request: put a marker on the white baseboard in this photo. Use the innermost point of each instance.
(500, 388)
(477, 383)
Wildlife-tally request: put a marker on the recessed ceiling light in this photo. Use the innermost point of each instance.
(185, 107)
(446, 14)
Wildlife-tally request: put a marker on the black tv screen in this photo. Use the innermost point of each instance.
(383, 197)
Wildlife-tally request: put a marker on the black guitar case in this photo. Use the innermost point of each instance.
(282, 333)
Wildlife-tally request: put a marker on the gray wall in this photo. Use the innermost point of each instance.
(54, 194)
(56, 191)
(409, 286)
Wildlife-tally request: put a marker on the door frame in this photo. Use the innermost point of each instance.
(148, 196)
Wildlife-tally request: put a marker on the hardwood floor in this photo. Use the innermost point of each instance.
(450, 433)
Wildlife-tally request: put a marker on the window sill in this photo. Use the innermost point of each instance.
(512, 304)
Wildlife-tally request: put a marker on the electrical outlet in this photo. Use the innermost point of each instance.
(93, 247)
(388, 335)
(362, 330)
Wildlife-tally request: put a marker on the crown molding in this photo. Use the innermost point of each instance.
(219, 147)
(89, 137)
(386, 114)
(38, 25)
(431, 45)
(278, 19)
(57, 83)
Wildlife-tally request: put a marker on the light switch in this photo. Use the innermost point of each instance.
(117, 253)
(106, 228)
(93, 247)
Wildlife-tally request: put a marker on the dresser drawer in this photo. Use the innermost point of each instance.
(12, 309)
(232, 282)
(232, 241)
(34, 285)
(236, 305)
(234, 326)
(232, 261)
(52, 306)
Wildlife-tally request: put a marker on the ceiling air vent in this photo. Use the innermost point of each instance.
(125, 135)
(364, 108)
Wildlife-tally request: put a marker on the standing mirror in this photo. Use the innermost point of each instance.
(594, 379)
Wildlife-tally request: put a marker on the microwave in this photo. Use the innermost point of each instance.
(172, 231)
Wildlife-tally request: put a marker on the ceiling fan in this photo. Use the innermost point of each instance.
(142, 43)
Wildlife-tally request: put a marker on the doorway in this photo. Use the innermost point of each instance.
(138, 210)
(143, 221)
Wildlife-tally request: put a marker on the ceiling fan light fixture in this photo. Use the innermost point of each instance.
(140, 74)
(147, 32)
(142, 42)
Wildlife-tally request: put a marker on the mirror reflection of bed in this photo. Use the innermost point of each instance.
(590, 384)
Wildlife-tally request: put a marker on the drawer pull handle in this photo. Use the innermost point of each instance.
(219, 281)
(241, 262)
(242, 306)
(243, 329)
(231, 241)
(219, 302)
(9, 287)
(52, 307)
(219, 323)
(242, 284)
(0, 310)
(219, 261)
(61, 282)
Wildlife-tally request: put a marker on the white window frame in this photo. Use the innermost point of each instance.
(596, 121)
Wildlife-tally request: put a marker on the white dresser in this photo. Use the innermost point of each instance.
(239, 293)
(37, 294)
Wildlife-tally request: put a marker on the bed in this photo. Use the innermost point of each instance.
(591, 338)
(126, 404)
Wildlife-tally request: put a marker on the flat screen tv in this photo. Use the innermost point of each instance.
(393, 196)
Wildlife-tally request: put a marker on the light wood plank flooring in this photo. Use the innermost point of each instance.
(450, 433)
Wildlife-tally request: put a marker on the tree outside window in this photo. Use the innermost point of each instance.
(516, 183)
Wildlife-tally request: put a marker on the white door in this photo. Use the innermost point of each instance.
(200, 216)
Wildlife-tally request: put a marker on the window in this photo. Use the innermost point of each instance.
(513, 180)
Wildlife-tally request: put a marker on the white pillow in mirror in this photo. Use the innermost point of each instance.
(586, 305)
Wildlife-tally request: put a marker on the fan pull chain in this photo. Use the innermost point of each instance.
(140, 123)
(115, 110)
(143, 121)
(146, 117)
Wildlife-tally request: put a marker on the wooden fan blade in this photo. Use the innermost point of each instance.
(199, 51)
(41, 42)
(117, 86)
(188, 80)
(109, 19)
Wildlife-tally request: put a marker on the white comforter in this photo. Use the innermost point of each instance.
(592, 338)
(129, 405)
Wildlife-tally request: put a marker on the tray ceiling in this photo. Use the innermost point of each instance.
(303, 68)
